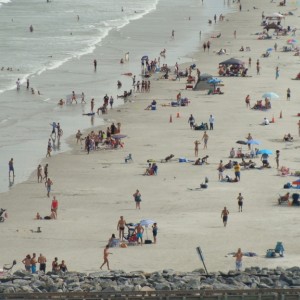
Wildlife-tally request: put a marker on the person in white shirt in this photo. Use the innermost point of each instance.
(211, 122)
(266, 121)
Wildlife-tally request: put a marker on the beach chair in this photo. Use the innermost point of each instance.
(189, 86)
(128, 158)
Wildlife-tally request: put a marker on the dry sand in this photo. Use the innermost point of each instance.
(94, 190)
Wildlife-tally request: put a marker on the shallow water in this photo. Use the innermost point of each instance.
(57, 62)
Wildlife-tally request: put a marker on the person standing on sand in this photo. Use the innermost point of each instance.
(238, 259)
(249, 62)
(240, 199)
(247, 100)
(277, 158)
(27, 262)
(288, 94)
(204, 46)
(257, 67)
(173, 34)
(205, 139)
(46, 172)
(82, 98)
(234, 34)
(220, 169)
(237, 171)
(139, 230)
(154, 232)
(211, 121)
(48, 185)
(208, 46)
(42, 261)
(121, 228)
(196, 149)
(54, 207)
(27, 84)
(33, 263)
(137, 198)
(39, 173)
(95, 65)
(277, 73)
(105, 257)
(11, 167)
(191, 121)
(92, 104)
(224, 215)
(111, 102)
(49, 148)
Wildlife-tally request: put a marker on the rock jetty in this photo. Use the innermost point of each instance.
(165, 280)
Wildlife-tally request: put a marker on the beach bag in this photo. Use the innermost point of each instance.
(270, 253)
(203, 186)
(287, 186)
(148, 242)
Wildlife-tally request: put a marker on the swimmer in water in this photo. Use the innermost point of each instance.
(61, 102)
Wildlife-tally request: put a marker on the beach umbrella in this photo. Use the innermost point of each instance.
(145, 57)
(214, 81)
(296, 182)
(146, 223)
(270, 95)
(253, 142)
(264, 151)
(241, 142)
(118, 136)
(292, 41)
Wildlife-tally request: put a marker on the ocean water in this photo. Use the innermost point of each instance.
(66, 35)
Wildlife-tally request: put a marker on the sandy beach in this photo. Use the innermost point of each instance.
(95, 190)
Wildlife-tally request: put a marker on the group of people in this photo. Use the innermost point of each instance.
(30, 263)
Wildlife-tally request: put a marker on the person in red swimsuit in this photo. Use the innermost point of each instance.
(54, 207)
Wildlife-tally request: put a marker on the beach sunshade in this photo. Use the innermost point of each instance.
(264, 151)
(272, 26)
(270, 95)
(296, 182)
(278, 15)
(214, 80)
(147, 222)
(253, 142)
(232, 61)
(241, 142)
(145, 57)
(118, 136)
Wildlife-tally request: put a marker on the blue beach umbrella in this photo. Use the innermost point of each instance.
(214, 81)
(264, 151)
(253, 142)
(270, 95)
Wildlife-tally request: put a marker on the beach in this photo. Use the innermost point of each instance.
(95, 190)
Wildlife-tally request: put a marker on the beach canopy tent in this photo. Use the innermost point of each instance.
(232, 62)
(272, 26)
(205, 77)
(275, 16)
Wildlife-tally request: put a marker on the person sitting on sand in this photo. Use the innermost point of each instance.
(232, 153)
(113, 241)
(198, 162)
(61, 102)
(169, 157)
(287, 138)
(266, 122)
(264, 159)
(242, 48)
(38, 216)
(229, 165)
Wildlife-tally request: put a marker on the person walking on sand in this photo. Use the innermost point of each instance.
(277, 158)
(224, 215)
(54, 207)
(221, 170)
(82, 98)
(139, 230)
(238, 259)
(240, 202)
(208, 46)
(48, 185)
(105, 257)
(11, 167)
(204, 46)
(111, 102)
(95, 65)
(92, 105)
(249, 138)
(288, 94)
(49, 148)
(205, 139)
(154, 232)
(137, 198)
(249, 62)
(257, 67)
(196, 149)
(121, 227)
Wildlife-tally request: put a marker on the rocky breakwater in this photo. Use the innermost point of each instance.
(116, 281)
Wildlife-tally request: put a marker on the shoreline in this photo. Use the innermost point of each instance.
(186, 219)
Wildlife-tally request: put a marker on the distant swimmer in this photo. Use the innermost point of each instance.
(78, 18)
(122, 9)
(31, 28)
(18, 83)
(61, 102)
